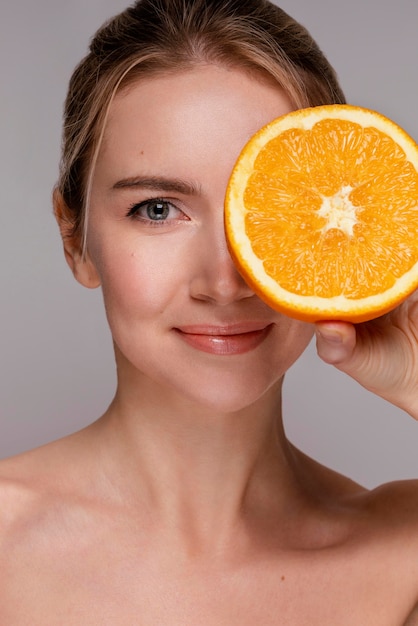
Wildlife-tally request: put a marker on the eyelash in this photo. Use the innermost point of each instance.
(135, 210)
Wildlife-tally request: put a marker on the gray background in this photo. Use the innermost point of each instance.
(56, 366)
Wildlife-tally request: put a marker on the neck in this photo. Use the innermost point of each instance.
(198, 469)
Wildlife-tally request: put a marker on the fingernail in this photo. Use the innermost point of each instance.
(330, 334)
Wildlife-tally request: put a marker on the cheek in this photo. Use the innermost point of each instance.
(304, 335)
(140, 280)
(295, 337)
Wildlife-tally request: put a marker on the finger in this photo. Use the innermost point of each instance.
(335, 342)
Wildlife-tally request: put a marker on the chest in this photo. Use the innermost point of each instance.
(110, 587)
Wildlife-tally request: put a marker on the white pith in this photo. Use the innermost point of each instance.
(338, 211)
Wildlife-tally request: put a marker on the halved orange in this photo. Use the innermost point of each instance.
(321, 214)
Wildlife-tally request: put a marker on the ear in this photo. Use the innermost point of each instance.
(80, 262)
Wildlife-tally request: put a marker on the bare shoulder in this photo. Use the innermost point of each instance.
(395, 504)
(20, 489)
(25, 489)
(381, 530)
(23, 501)
(389, 535)
(394, 509)
(38, 490)
(381, 517)
(47, 523)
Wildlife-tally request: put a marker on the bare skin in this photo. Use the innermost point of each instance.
(185, 504)
(81, 546)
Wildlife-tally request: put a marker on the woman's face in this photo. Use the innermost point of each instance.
(182, 319)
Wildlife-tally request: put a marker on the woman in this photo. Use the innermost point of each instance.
(185, 503)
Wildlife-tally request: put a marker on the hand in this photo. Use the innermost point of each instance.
(382, 355)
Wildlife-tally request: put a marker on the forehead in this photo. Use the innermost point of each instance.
(183, 120)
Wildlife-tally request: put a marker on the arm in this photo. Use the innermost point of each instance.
(382, 355)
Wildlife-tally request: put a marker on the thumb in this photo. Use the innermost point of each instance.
(335, 342)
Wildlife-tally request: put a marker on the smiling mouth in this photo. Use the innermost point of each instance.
(224, 340)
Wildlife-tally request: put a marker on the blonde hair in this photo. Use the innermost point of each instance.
(160, 36)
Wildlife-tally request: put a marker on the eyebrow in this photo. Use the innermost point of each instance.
(158, 183)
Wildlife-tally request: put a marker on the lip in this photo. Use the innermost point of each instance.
(225, 340)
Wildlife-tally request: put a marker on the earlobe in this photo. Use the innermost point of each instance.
(82, 267)
(80, 263)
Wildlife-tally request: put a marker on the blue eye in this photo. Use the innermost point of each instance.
(157, 210)
(154, 210)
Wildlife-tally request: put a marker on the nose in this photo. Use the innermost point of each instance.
(214, 277)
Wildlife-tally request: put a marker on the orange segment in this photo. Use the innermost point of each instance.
(321, 213)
